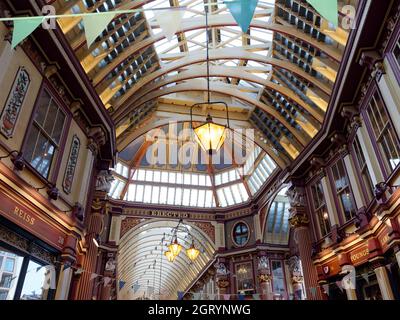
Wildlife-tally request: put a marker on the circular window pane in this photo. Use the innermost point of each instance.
(240, 234)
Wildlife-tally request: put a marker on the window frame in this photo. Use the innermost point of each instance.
(338, 203)
(384, 163)
(316, 211)
(54, 169)
(364, 172)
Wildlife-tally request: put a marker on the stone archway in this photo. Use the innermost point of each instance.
(144, 268)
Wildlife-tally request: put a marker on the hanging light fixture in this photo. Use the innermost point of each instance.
(170, 256)
(175, 248)
(192, 252)
(210, 136)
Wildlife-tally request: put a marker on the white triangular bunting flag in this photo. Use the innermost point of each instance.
(169, 21)
(339, 284)
(106, 281)
(93, 276)
(326, 289)
(366, 277)
(196, 296)
(95, 25)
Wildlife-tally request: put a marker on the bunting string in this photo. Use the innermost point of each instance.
(168, 18)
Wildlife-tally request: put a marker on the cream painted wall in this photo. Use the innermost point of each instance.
(81, 178)
(9, 68)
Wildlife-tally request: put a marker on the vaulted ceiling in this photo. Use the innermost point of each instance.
(276, 78)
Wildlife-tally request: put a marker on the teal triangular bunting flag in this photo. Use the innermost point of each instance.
(23, 28)
(327, 9)
(95, 24)
(242, 11)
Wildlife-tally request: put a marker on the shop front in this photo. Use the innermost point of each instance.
(35, 244)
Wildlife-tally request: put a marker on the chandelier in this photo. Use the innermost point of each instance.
(175, 248)
(209, 135)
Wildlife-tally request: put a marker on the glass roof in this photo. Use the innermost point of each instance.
(226, 188)
(280, 74)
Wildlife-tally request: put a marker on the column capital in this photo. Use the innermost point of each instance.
(298, 217)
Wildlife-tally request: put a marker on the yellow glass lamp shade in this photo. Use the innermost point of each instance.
(210, 136)
(175, 248)
(192, 252)
(170, 256)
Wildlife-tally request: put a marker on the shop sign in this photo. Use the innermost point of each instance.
(359, 256)
(384, 239)
(31, 221)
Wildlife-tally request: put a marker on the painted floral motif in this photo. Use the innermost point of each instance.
(71, 165)
(14, 103)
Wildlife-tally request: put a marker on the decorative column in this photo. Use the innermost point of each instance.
(383, 279)
(296, 277)
(264, 276)
(68, 258)
(299, 222)
(397, 250)
(108, 292)
(222, 278)
(95, 227)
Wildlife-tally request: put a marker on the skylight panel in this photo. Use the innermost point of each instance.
(147, 194)
(139, 193)
(163, 195)
(171, 196)
(178, 196)
(155, 194)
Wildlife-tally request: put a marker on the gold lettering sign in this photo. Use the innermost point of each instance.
(24, 216)
(355, 257)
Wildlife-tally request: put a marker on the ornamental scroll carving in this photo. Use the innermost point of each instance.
(296, 197)
(71, 165)
(127, 224)
(104, 181)
(208, 229)
(15, 100)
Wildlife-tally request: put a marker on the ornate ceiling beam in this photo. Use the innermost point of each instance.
(219, 21)
(222, 89)
(196, 71)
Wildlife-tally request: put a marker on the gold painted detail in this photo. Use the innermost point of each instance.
(299, 220)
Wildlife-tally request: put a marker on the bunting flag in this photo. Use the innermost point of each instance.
(66, 266)
(106, 281)
(93, 276)
(366, 277)
(78, 271)
(339, 284)
(227, 297)
(242, 11)
(256, 297)
(180, 295)
(121, 284)
(326, 289)
(313, 291)
(95, 24)
(196, 296)
(50, 278)
(23, 28)
(150, 290)
(241, 297)
(169, 21)
(136, 287)
(327, 9)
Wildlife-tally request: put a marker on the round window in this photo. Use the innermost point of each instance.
(240, 234)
